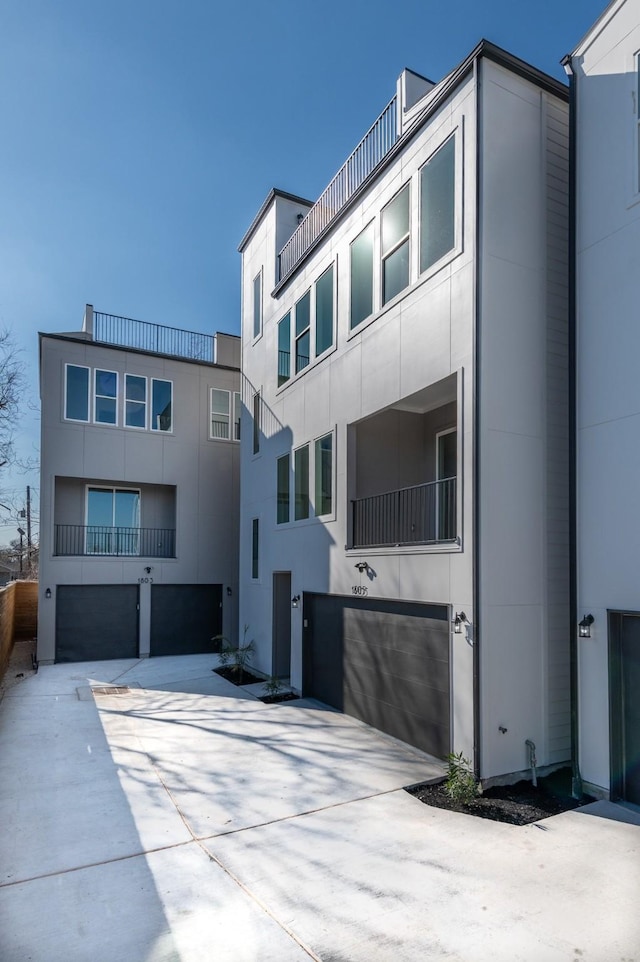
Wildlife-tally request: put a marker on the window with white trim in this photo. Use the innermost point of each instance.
(105, 403)
(255, 549)
(313, 481)
(303, 332)
(324, 312)
(323, 469)
(438, 205)
(395, 235)
(257, 305)
(361, 277)
(135, 401)
(76, 392)
(284, 349)
(161, 405)
(301, 483)
(113, 521)
(283, 491)
(220, 424)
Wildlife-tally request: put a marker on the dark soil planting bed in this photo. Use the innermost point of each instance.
(281, 696)
(518, 804)
(236, 677)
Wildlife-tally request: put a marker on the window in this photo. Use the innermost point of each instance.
(437, 205)
(301, 481)
(135, 401)
(324, 475)
(256, 423)
(303, 331)
(446, 471)
(105, 410)
(237, 411)
(220, 414)
(161, 405)
(395, 245)
(76, 399)
(255, 536)
(362, 276)
(324, 312)
(284, 349)
(257, 305)
(113, 521)
(283, 490)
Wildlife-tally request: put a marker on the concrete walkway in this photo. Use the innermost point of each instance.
(184, 820)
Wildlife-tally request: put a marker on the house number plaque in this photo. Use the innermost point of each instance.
(359, 590)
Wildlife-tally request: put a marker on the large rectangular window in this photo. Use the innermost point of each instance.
(255, 549)
(437, 205)
(284, 349)
(283, 491)
(113, 521)
(161, 405)
(324, 312)
(301, 482)
(362, 276)
(257, 305)
(303, 331)
(135, 401)
(76, 398)
(324, 475)
(395, 245)
(220, 414)
(105, 409)
(256, 422)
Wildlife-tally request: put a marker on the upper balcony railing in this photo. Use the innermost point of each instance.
(422, 514)
(373, 147)
(83, 540)
(140, 335)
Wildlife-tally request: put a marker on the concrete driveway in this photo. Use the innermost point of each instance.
(184, 820)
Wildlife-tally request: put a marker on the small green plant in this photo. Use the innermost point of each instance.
(236, 659)
(460, 785)
(222, 647)
(272, 685)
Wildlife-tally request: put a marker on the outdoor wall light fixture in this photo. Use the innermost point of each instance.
(229, 591)
(362, 566)
(300, 218)
(295, 601)
(47, 593)
(584, 626)
(148, 569)
(458, 621)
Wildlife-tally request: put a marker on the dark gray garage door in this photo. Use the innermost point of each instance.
(384, 662)
(184, 618)
(95, 622)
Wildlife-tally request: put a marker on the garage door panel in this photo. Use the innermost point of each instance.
(409, 726)
(96, 622)
(396, 664)
(401, 693)
(184, 619)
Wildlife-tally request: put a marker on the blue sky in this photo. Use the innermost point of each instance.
(139, 138)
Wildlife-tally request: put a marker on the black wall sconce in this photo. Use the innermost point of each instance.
(47, 593)
(362, 566)
(148, 569)
(584, 626)
(229, 591)
(458, 622)
(295, 601)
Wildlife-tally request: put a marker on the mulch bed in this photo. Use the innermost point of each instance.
(236, 677)
(518, 804)
(282, 696)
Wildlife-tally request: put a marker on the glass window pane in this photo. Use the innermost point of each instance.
(127, 509)
(303, 313)
(135, 414)
(77, 393)
(256, 423)
(135, 387)
(324, 312)
(237, 410)
(283, 490)
(105, 412)
(106, 383)
(161, 406)
(303, 345)
(437, 206)
(100, 507)
(220, 414)
(257, 305)
(396, 272)
(301, 472)
(324, 474)
(284, 349)
(254, 548)
(395, 220)
(135, 408)
(362, 276)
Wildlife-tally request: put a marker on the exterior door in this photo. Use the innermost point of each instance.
(624, 701)
(281, 661)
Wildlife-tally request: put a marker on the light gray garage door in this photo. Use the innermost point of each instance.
(184, 618)
(384, 662)
(95, 622)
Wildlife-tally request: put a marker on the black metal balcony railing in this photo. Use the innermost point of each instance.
(80, 539)
(423, 514)
(127, 332)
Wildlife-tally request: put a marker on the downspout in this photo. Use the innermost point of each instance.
(476, 437)
(576, 778)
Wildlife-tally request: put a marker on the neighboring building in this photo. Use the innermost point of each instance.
(139, 490)
(404, 345)
(606, 120)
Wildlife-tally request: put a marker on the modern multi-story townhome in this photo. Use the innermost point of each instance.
(404, 520)
(139, 490)
(605, 83)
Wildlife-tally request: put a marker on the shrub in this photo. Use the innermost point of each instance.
(460, 785)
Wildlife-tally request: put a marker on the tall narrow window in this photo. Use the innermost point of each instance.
(161, 405)
(283, 491)
(362, 276)
(301, 481)
(237, 411)
(395, 245)
(284, 349)
(324, 312)
(135, 401)
(324, 475)
(220, 414)
(257, 305)
(76, 398)
(256, 422)
(255, 548)
(105, 409)
(303, 331)
(437, 205)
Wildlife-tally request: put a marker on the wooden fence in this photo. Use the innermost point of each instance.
(18, 616)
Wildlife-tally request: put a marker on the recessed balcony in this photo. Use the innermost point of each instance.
(79, 540)
(421, 514)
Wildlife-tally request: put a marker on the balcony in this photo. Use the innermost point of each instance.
(143, 336)
(78, 540)
(421, 514)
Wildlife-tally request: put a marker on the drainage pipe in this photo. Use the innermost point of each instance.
(532, 761)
